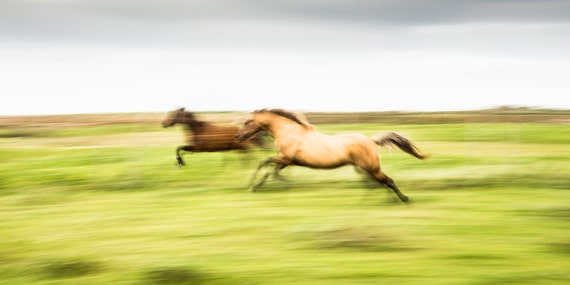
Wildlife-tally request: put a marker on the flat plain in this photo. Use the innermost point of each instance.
(97, 199)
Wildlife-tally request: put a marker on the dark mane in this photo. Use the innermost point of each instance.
(286, 114)
(192, 119)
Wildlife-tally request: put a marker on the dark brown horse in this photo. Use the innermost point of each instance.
(300, 144)
(206, 137)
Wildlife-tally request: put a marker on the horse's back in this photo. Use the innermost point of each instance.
(214, 138)
(320, 150)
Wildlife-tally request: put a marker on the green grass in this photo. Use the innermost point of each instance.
(474, 132)
(94, 206)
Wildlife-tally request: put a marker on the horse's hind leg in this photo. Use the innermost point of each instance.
(179, 157)
(383, 178)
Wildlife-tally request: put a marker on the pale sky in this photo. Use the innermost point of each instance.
(93, 56)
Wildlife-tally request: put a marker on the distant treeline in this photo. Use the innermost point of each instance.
(496, 115)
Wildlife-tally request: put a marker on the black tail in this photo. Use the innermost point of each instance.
(401, 142)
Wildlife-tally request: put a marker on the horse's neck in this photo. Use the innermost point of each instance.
(193, 125)
(286, 129)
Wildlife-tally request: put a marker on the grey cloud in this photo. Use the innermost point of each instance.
(243, 22)
(420, 12)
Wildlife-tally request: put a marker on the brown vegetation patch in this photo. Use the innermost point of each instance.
(174, 276)
(352, 239)
(71, 268)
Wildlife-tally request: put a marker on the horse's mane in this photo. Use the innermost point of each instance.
(297, 118)
(194, 121)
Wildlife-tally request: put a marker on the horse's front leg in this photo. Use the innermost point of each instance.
(179, 157)
(279, 164)
(253, 186)
(276, 171)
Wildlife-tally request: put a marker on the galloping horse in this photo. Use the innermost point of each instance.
(205, 137)
(300, 144)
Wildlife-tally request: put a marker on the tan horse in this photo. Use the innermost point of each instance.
(206, 137)
(300, 144)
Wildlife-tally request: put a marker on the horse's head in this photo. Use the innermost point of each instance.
(251, 126)
(177, 116)
(270, 120)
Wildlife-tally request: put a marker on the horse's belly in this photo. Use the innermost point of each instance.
(333, 151)
(322, 165)
(217, 144)
(322, 160)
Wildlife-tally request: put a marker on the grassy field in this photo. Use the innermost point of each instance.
(101, 202)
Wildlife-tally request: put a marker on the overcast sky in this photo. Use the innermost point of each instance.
(92, 56)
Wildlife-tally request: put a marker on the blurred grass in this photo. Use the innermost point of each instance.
(106, 205)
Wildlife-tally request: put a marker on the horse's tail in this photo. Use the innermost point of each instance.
(401, 142)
